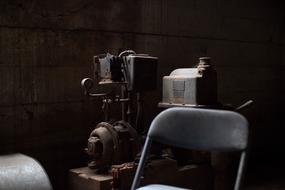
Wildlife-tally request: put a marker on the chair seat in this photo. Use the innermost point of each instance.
(160, 187)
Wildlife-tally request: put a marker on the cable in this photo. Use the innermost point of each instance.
(127, 51)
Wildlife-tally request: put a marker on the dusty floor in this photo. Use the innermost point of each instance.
(267, 185)
(269, 177)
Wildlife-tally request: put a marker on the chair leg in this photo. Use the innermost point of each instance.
(240, 170)
(137, 178)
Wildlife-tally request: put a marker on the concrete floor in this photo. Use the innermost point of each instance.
(269, 177)
(271, 185)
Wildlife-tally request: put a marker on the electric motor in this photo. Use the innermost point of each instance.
(114, 143)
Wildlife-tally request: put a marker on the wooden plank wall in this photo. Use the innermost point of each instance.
(46, 48)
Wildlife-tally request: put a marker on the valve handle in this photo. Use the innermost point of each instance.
(87, 84)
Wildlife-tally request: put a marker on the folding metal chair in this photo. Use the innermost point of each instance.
(196, 129)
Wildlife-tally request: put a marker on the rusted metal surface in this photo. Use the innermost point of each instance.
(112, 144)
(123, 175)
(118, 77)
(198, 177)
(191, 176)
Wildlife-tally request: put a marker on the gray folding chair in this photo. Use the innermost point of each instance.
(196, 129)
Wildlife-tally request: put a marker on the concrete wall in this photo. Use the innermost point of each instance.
(46, 48)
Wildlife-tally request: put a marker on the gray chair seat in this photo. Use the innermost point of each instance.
(160, 187)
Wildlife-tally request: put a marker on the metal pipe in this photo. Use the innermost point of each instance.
(106, 102)
(129, 111)
(138, 111)
(123, 102)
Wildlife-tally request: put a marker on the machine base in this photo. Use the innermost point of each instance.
(194, 176)
(85, 179)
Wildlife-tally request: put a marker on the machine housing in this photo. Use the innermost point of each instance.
(190, 86)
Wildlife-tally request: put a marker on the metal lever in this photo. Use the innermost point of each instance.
(244, 105)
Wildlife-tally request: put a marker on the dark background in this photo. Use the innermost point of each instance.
(46, 48)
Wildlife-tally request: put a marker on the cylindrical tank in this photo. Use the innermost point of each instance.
(20, 172)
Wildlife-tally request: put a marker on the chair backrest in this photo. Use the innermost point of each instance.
(200, 129)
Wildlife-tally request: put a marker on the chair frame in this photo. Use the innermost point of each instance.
(166, 114)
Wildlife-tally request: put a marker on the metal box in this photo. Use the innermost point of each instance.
(190, 86)
(142, 72)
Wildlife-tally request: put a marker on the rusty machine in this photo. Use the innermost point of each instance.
(120, 78)
(123, 77)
